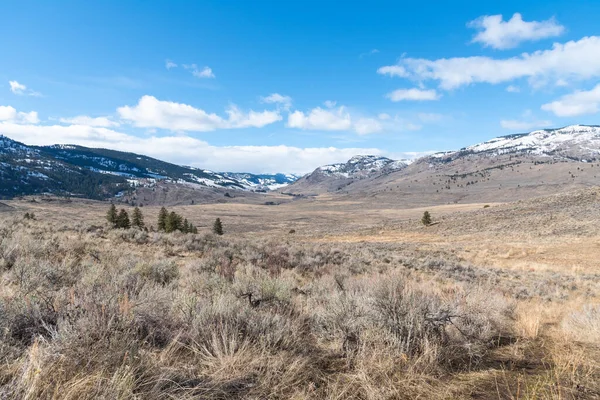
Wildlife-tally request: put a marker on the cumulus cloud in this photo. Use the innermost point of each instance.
(320, 119)
(520, 125)
(513, 89)
(153, 113)
(205, 72)
(575, 104)
(10, 114)
(341, 119)
(104, 122)
(413, 94)
(22, 90)
(494, 32)
(329, 103)
(276, 98)
(574, 60)
(186, 150)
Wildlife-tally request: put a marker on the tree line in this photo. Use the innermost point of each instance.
(167, 221)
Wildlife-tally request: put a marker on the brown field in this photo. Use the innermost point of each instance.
(492, 301)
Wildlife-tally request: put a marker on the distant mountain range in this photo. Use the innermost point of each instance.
(507, 167)
(102, 173)
(502, 169)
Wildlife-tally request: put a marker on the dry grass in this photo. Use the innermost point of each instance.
(359, 311)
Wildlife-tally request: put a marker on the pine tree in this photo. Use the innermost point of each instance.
(426, 220)
(111, 216)
(162, 219)
(123, 220)
(173, 222)
(218, 227)
(137, 219)
(194, 230)
(186, 226)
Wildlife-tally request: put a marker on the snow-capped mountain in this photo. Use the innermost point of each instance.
(361, 166)
(334, 177)
(99, 173)
(575, 142)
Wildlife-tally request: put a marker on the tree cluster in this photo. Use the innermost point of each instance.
(171, 222)
(120, 220)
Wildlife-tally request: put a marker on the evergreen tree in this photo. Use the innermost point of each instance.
(123, 220)
(137, 219)
(173, 222)
(426, 220)
(162, 219)
(186, 226)
(194, 230)
(111, 216)
(218, 227)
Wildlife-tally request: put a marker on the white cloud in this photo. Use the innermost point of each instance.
(153, 113)
(575, 104)
(276, 98)
(186, 150)
(17, 88)
(90, 121)
(170, 64)
(341, 119)
(320, 119)
(205, 72)
(513, 89)
(517, 125)
(329, 103)
(413, 94)
(494, 32)
(574, 60)
(10, 114)
(20, 89)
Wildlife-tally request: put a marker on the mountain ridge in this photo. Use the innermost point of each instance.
(100, 173)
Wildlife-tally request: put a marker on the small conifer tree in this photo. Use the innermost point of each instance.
(194, 230)
(186, 226)
(173, 222)
(123, 220)
(137, 218)
(111, 216)
(426, 220)
(218, 227)
(162, 219)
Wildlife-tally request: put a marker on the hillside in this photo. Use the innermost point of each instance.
(502, 169)
(101, 173)
(335, 177)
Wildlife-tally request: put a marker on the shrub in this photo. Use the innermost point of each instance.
(162, 272)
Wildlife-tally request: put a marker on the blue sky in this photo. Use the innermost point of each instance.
(283, 86)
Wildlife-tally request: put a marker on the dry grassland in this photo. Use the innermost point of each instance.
(361, 302)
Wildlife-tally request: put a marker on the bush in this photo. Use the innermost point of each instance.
(162, 272)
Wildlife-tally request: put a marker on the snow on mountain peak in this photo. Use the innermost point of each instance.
(360, 166)
(573, 142)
